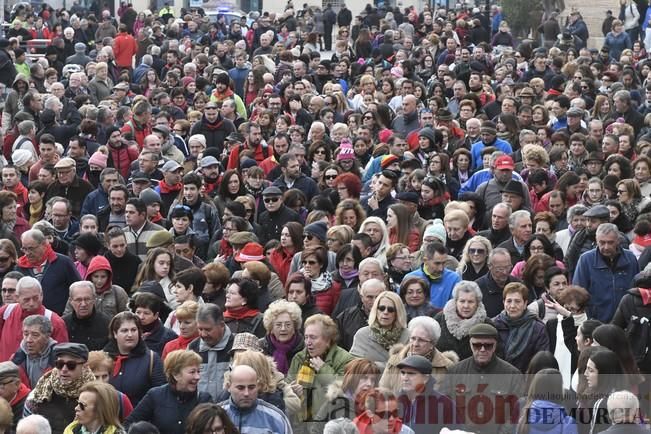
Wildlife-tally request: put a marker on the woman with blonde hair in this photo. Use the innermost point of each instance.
(282, 321)
(168, 406)
(375, 228)
(272, 386)
(97, 410)
(350, 213)
(387, 326)
(186, 319)
(474, 259)
(338, 236)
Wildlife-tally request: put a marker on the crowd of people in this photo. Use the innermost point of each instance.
(210, 227)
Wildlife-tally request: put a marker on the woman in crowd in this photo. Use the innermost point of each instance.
(12, 224)
(348, 185)
(186, 323)
(8, 258)
(387, 326)
(97, 410)
(400, 228)
(614, 338)
(459, 315)
(642, 174)
(545, 398)
(521, 331)
(314, 262)
(345, 395)
(291, 241)
(136, 368)
(241, 313)
(630, 198)
(375, 228)
(398, 264)
(217, 276)
(231, 187)
(424, 333)
(433, 198)
(350, 212)
(415, 294)
(338, 236)
(187, 286)
(158, 267)
(347, 273)
(168, 406)
(533, 275)
(474, 259)
(282, 321)
(209, 418)
(312, 368)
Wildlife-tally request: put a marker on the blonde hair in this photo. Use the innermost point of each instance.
(188, 310)
(279, 307)
(455, 204)
(263, 365)
(343, 233)
(456, 215)
(106, 403)
(401, 313)
(329, 327)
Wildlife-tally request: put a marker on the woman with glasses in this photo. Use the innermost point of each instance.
(240, 308)
(314, 266)
(459, 315)
(474, 259)
(327, 179)
(168, 406)
(415, 294)
(97, 410)
(318, 151)
(221, 248)
(423, 337)
(538, 244)
(630, 198)
(399, 264)
(387, 326)
(283, 323)
(209, 418)
(346, 275)
(522, 333)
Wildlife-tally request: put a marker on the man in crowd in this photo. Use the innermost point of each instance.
(85, 324)
(34, 357)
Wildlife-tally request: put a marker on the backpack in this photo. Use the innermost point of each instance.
(638, 334)
(265, 149)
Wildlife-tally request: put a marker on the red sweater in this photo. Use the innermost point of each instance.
(281, 261)
(124, 48)
(11, 328)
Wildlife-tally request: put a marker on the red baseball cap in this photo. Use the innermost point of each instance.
(250, 252)
(504, 162)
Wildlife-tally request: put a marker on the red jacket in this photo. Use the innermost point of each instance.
(261, 152)
(268, 164)
(281, 261)
(11, 328)
(121, 158)
(136, 131)
(326, 300)
(179, 343)
(124, 48)
(413, 240)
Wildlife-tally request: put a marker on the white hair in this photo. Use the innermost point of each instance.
(34, 423)
(28, 282)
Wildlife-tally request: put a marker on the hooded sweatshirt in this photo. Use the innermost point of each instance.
(33, 368)
(111, 299)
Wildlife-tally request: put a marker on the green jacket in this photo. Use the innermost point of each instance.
(333, 369)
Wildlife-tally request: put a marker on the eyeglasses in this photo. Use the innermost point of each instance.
(309, 262)
(483, 345)
(271, 199)
(416, 339)
(622, 191)
(387, 414)
(330, 177)
(389, 309)
(320, 152)
(308, 237)
(9, 290)
(477, 251)
(368, 117)
(82, 406)
(70, 364)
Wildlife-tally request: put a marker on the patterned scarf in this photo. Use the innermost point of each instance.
(50, 383)
(386, 337)
(322, 283)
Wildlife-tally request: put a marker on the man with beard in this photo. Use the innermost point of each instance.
(209, 168)
(292, 177)
(280, 147)
(491, 190)
(275, 217)
(113, 215)
(213, 126)
(254, 143)
(584, 240)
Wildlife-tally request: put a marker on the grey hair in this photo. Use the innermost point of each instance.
(35, 235)
(51, 102)
(498, 251)
(340, 426)
(28, 282)
(623, 95)
(370, 260)
(494, 156)
(607, 228)
(428, 323)
(45, 227)
(623, 407)
(517, 215)
(576, 210)
(147, 60)
(504, 205)
(210, 313)
(34, 423)
(44, 324)
(372, 282)
(81, 284)
(467, 287)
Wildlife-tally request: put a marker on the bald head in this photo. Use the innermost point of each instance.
(409, 104)
(243, 386)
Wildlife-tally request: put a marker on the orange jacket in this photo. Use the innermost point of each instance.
(124, 48)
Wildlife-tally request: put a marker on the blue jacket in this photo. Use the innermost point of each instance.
(166, 409)
(440, 291)
(374, 166)
(617, 44)
(239, 77)
(545, 417)
(478, 178)
(501, 145)
(56, 279)
(261, 417)
(605, 285)
(95, 201)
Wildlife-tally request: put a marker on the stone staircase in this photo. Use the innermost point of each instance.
(594, 13)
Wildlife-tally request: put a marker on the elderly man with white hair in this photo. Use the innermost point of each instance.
(624, 413)
(30, 302)
(34, 424)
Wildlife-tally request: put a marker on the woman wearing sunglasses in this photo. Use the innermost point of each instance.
(387, 326)
(97, 410)
(522, 332)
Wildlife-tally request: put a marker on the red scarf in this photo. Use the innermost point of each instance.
(645, 293)
(182, 343)
(225, 248)
(118, 364)
(365, 424)
(165, 188)
(241, 313)
(156, 218)
(49, 255)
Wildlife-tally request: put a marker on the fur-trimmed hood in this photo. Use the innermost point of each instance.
(443, 359)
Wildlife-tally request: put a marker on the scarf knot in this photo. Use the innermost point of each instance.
(460, 327)
(50, 384)
(386, 337)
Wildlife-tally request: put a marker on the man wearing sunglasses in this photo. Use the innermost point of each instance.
(499, 381)
(275, 217)
(55, 395)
